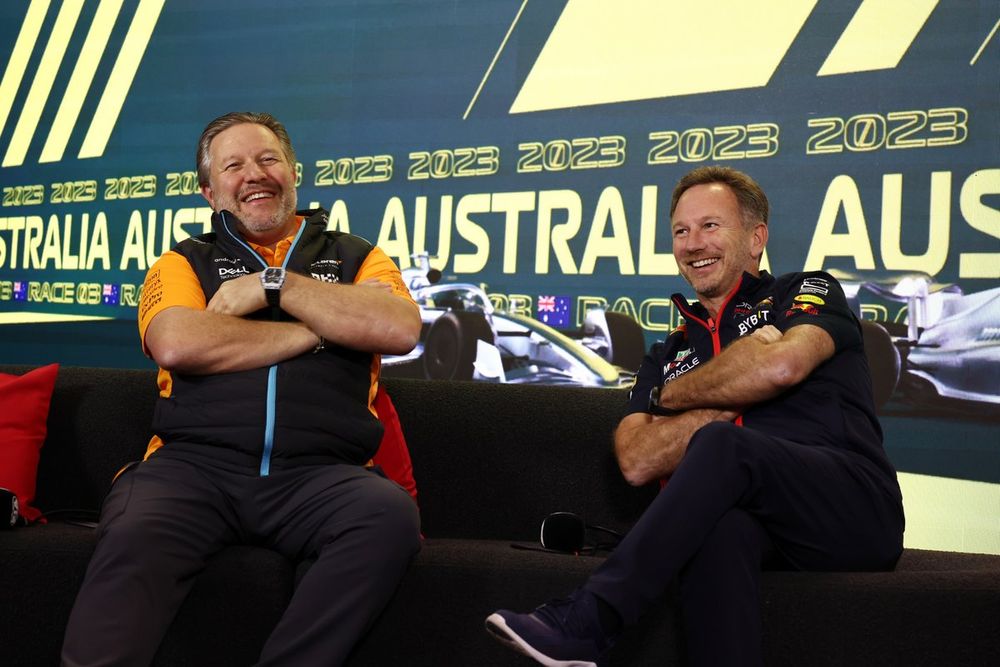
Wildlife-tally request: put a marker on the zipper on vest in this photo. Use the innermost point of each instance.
(272, 382)
(272, 372)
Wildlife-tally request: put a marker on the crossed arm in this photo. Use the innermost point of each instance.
(366, 316)
(751, 370)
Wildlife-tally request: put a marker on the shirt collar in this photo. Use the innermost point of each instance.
(276, 257)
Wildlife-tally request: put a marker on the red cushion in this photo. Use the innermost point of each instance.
(24, 411)
(393, 456)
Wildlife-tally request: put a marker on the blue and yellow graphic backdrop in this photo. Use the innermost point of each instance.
(529, 146)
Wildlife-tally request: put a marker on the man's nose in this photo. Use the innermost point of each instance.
(693, 240)
(253, 172)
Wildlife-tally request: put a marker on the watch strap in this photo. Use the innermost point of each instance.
(273, 296)
(272, 279)
(654, 407)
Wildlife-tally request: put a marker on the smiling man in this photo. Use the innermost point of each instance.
(267, 332)
(757, 411)
(244, 169)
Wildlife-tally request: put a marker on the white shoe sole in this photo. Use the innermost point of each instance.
(497, 626)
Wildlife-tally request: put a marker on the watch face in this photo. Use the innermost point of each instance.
(273, 276)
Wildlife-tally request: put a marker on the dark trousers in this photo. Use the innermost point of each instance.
(166, 517)
(738, 500)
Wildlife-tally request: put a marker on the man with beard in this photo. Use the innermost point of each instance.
(759, 410)
(267, 332)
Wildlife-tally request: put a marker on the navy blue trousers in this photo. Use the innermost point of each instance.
(738, 501)
(165, 517)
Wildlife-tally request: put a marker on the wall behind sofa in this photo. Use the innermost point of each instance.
(529, 147)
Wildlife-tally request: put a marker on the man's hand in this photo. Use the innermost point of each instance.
(190, 340)
(244, 295)
(752, 369)
(365, 316)
(650, 448)
(239, 296)
(768, 333)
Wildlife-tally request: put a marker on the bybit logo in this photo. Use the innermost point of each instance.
(82, 78)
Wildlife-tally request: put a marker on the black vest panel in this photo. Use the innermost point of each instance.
(320, 401)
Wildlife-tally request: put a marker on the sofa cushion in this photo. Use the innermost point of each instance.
(393, 456)
(24, 411)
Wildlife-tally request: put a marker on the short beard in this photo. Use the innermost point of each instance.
(280, 217)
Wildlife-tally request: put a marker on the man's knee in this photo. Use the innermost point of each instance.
(403, 522)
(395, 519)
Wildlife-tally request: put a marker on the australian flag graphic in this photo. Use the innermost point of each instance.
(554, 311)
(20, 290)
(109, 295)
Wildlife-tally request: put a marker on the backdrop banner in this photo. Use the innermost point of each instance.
(516, 158)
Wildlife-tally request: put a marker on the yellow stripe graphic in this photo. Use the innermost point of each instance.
(81, 79)
(496, 56)
(603, 52)
(878, 36)
(122, 75)
(19, 57)
(41, 86)
(28, 318)
(975, 58)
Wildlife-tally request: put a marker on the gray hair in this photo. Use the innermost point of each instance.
(222, 123)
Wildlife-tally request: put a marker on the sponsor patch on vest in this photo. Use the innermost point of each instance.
(227, 273)
(326, 270)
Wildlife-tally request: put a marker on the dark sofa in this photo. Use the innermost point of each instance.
(491, 462)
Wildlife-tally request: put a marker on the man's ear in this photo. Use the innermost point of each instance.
(758, 240)
(206, 192)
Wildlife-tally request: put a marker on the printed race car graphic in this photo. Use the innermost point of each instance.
(929, 343)
(465, 338)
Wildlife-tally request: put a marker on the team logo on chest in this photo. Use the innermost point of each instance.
(229, 268)
(759, 315)
(327, 270)
(682, 363)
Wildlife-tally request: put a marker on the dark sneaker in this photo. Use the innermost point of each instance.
(562, 633)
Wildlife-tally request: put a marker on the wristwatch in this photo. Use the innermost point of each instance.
(272, 278)
(655, 408)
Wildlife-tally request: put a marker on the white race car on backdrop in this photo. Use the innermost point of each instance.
(929, 343)
(465, 338)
